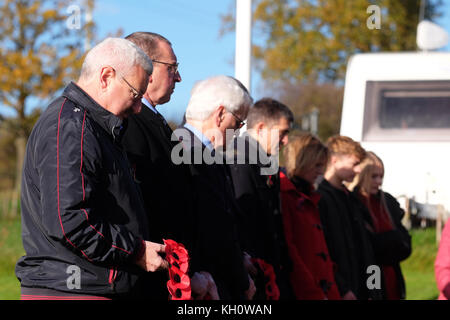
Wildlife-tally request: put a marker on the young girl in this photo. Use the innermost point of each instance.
(391, 241)
(312, 273)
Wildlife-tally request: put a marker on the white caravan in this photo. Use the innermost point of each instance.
(398, 106)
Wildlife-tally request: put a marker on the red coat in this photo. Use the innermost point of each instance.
(312, 272)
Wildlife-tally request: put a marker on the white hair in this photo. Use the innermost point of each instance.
(208, 94)
(118, 53)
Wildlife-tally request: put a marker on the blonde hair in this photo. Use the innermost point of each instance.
(342, 145)
(302, 152)
(363, 179)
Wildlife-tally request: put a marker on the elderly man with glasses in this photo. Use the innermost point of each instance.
(216, 105)
(84, 226)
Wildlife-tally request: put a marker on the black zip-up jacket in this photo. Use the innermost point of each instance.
(80, 205)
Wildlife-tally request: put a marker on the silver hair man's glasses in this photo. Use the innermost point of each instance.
(137, 95)
(241, 122)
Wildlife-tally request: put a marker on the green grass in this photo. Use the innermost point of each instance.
(11, 250)
(418, 269)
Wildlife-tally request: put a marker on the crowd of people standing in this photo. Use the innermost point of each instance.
(106, 182)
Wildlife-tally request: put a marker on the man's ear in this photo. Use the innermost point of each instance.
(259, 127)
(106, 75)
(334, 158)
(219, 115)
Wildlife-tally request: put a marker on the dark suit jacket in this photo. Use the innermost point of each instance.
(216, 247)
(166, 187)
(260, 224)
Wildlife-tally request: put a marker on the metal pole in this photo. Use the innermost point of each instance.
(243, 52)
(422, 10)
(88, 39)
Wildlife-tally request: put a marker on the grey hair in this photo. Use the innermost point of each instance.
(149, 42)
(118, 53)
(208, 94)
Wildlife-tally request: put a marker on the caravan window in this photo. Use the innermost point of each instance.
(407, 110)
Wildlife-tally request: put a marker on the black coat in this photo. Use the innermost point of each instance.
(391, 247)
(80, 205)
(260, 222)
(216, 248)
(347, 239)
(166, 187)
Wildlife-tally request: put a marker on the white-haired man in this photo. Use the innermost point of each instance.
(84, 226)
(216, 104)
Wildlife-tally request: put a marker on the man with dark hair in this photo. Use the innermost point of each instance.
(166, 187)
(255, 176)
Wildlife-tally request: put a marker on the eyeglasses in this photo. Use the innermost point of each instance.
(136, 93)
(173, 66)
(241, 122)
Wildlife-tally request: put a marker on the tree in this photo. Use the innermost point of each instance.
(301, 47)
(303, 97)
(304, 38)
(41, 49)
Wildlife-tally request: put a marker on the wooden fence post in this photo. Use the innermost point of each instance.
(406, 221)
(439, 222)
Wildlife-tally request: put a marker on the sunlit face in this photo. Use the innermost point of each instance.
(274, 136)
(231, 122)
(163, 79)
(376, 179)
(312, 173)
(123, 99)
(346, 166)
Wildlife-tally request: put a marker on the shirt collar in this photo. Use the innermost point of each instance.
(199, 135)
(149, 105)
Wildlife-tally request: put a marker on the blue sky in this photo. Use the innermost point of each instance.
(193, 28)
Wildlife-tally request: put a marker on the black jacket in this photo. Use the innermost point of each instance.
(216, 248)
(80, 205)
(260, 222)
(391, 247)
(347, 239)
(166, 187)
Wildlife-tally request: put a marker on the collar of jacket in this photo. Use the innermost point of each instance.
(112, 124)
(287, 185)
